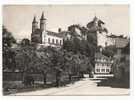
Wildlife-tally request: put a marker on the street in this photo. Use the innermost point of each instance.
(85, 86)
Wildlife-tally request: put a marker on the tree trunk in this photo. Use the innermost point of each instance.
(45, 78)
(58, 79)
(70, 77)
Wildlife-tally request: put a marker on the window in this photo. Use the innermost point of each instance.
(102, 70)
(56, 41)
(60, 42)
(107, 70)
(97, 70)
(53, 41)
(48, 40)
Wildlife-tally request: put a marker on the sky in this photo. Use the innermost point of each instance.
(18, 18)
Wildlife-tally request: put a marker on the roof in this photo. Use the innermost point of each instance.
(34, 20)
(42, 16)
(121, 42)
(100, 55)
(115, 36)
(64, 33)
(54, 34)
(38, 31)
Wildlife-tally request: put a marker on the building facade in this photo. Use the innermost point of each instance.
(102, 64)
(117, 41)
(98, 26)
(101, 39)
(43, 37)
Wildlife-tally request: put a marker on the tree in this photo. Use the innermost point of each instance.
(25, 42)
(7, 37)
(25, 59)
(43, 63)
(109, 51)
(57, 64)
(8, 53)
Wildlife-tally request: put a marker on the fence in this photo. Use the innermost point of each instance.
(18, 76)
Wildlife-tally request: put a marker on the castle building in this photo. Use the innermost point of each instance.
(103, 38)
(43, 37)
(117, 41)
(98, 26)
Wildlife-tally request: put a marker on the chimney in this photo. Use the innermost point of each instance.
(59, 30)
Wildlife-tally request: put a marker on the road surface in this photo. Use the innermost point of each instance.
(85, 86)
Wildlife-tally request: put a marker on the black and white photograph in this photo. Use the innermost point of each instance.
(66, 50)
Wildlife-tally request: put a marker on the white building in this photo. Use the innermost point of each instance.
(101, 39)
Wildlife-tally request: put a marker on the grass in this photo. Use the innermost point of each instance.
(115, 83)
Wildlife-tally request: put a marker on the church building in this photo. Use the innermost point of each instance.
(43, 37)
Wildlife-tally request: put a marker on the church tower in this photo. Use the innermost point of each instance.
(43, 27)
(95, 20)
(34, 24)
(42, 23)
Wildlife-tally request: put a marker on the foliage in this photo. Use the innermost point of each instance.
(109, 51)
(8, 38)
(25, 41)
(25, 57)
(126, 50)
(8, 53)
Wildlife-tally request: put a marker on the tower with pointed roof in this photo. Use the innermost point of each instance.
(95, 20)
(43, 27)
(34, 24)
(42, 22)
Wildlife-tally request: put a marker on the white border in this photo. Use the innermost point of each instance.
(31, 2)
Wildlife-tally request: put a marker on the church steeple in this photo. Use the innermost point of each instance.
(42, 22)
(34, 20)
(42, 16)
(34, 24)
(95, 20)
